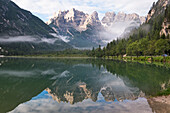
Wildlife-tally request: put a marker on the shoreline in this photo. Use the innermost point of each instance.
(126, 59)
(160, 104)
(142, 58)
(41, 57)
(161, 99)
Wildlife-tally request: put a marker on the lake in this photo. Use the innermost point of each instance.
(80, 86)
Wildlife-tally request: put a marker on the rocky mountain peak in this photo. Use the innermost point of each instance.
(121, 13)
(73, 22)
(73, 10)
(95, 15)
(70, 15)
(110, 13)
(133, 16)
(74, 19)
(108, 18)
(120, 16)
(93, 20)
(112, 17)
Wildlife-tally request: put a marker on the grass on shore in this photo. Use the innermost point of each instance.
(149, 58)
(141, 58)
(164, 92)
(157, 60)
(53, 55)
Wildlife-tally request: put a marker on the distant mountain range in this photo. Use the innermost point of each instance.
(80, 28)
(84, 30)
(22, 32)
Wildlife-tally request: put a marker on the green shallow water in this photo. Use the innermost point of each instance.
(79, 85)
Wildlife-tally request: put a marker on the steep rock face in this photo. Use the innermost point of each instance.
(87, 30)
(165, 28)
(80, 28)
(166, 23)
(63, 21)
(93, 20)
(161, 8)
(108, 18)
(157, 8)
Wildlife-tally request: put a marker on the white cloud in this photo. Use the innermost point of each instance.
(28, 39)
(25, 73)
(48, 7)
(64, 38)
(47, 105)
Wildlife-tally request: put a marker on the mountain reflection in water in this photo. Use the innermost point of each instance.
(79, 85)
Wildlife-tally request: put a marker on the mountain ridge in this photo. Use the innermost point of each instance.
(22, 33)
(16, 21)
(75, 24)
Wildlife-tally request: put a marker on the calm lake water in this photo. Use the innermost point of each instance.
(79, 86)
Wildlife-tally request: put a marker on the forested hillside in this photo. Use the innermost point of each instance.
(151, 38)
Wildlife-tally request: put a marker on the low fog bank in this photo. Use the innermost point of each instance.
(33, 39)
(64, 38)
(83, 48)
(145, 27)
(118, 30)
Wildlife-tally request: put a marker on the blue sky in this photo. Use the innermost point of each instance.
(45, 9)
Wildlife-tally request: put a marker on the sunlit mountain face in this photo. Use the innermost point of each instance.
(78, 85)
(83, 30)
